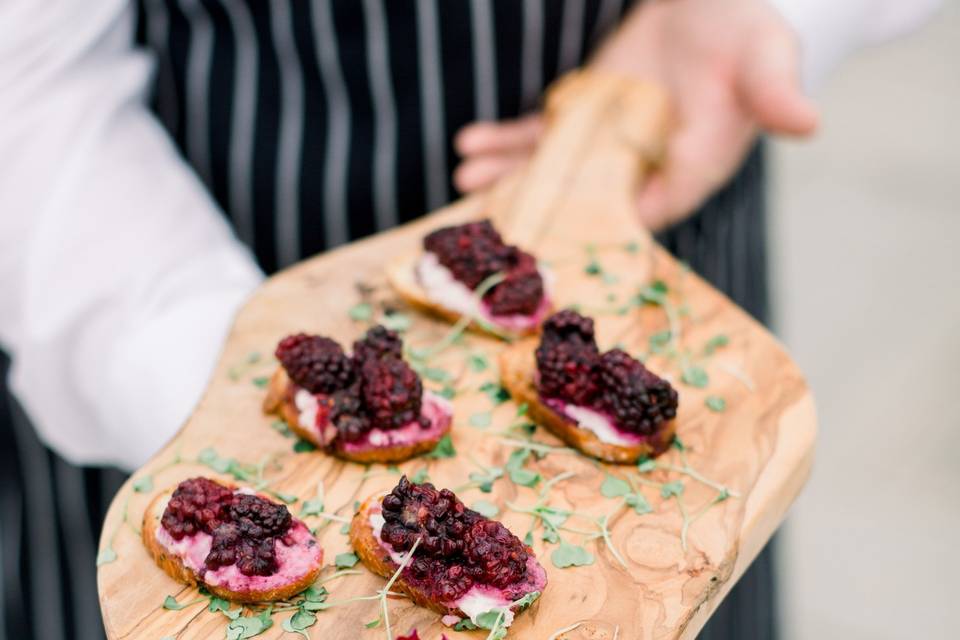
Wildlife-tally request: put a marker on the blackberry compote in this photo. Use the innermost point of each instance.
(572, 369)
(372, 389)
(245, 527)
(458, 547)
(475, 251)
(315, 363)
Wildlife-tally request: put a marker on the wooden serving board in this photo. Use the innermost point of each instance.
(571, 207)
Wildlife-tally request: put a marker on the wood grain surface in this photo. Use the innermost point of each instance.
(570, 206)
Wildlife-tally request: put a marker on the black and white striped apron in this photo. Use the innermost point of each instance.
(314, 123)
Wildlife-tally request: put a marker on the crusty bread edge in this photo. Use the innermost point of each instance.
(176, 569)
(376, 558)
(401, 276)
(517, 374)
(279, 401)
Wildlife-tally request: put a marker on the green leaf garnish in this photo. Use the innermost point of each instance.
(614, 487)
(361, 312)
(218, 604)
(639, 503)
(398, 322)
(478, 362)
(345, 560)
(714, 343)
(497, 394)
(695, 376)
(303, 446)
(669, 489)
(312, 507)
(261, 381)
(715, 403)
(106, 556)
(485, 508)
(480, 420)
(570, 555)
(435, 374)
(448, 392)
(143, 485)
(444, 449)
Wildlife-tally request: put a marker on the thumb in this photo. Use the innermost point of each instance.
(768, 84)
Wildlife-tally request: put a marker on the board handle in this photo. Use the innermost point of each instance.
(605, 133)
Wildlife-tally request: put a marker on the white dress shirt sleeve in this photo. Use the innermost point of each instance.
(118, 276)
(829, 30)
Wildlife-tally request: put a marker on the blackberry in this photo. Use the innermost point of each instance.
(223, 549)
(472, 251)
(197, 504)
(315, 363)
(521, 291)
(566, 358)
(569, 326)
(249, 538)
(458, 547)
(637, 398)
(378, 343)
(392, 393)
(257, 557)
(497, 554)
(244, 527)
(259, 518)
(475, 251)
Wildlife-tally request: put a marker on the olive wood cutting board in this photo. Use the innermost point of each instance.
(571, 206)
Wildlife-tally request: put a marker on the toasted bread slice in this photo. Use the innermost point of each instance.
(280, 401)
(376, 558)
(518, 369)
(176, 568)
(401, 273)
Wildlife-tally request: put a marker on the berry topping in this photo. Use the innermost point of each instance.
(392, 393)
(347, 413)
(636, 397)
(520, 292)
(458, 547)
(572, 369)
(566, 358)
(315, 363)
(373, 389)
(379, 342)
(475, 251)
(197, 504)
(244, 527)
(259, 518)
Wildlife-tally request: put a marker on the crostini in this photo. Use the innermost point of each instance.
(469, 271)
(607, 405)
(367, 407)
(464, 565)
(239, 545)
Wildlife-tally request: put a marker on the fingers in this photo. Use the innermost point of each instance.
(769, 85)
(493, 149)
(701, 157)
(479, 172)
(509, 136)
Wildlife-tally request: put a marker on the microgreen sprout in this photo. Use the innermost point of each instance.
(425, 354)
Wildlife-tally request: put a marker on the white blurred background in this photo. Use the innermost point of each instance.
(867, 282)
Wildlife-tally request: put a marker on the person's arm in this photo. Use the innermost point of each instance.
(118, 275)
(733, 69)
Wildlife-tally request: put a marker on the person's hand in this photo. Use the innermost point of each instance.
(732, 68)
